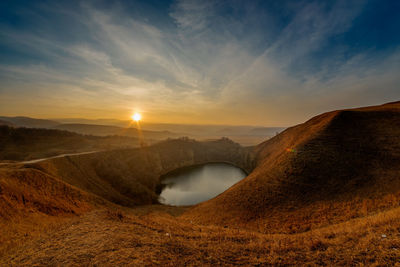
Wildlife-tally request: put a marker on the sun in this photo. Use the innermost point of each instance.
(136, 117)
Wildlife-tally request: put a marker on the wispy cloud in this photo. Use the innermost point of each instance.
(214, 61)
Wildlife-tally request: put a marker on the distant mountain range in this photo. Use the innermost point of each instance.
(6, 123)
(187, 129)
(87, 129)
(22, 143)
(104, 130)
(245, 135)
(29, 122)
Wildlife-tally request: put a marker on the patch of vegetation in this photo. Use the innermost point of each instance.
(32, 143)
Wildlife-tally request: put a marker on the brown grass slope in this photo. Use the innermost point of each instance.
(31, 199)
(47, 191)
(25, 190)
(130, 177)
(330, 178)
(126, 177)
(106, 238)
(336, 166)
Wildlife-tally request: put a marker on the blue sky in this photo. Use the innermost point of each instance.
(273, 63)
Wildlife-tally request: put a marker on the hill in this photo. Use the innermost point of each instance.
(126, 177)
(6, 123)
(334, 167)
(29, 122)
(244, 135)
(104, 130)
(32, 143)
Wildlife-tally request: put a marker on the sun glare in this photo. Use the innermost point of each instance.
(136, 117)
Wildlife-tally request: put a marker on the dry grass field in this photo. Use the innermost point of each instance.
(109, 237)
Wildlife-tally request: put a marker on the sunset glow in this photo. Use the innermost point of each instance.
(251, 63)
(136, 117)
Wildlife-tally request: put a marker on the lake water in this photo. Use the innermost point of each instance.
(194, 185)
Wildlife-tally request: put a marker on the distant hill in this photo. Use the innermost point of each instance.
(334, 167)
(32, 143)
(245, 135)
(6, 123)
(29, 122)
(193, 130)
(110, 122)
(99, 130)
(104, 130)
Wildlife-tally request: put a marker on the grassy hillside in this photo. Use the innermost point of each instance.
(126, 177)
(130, 177)
(325, 192)
(25, 190)
(36, 194)
(334, 167)
(156, 238)
(32, 143)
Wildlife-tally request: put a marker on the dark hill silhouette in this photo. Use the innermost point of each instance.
(336, 166)
(33, 143)
(29, 122)
(6, 123)
(104, 130)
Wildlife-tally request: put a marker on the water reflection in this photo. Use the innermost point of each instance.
(200, 183)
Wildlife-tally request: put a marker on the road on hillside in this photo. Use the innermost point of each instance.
(53, 157)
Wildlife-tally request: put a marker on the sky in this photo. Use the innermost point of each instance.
(270, 63)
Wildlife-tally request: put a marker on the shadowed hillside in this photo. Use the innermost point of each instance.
(6, 123)
(336, 166)
(32, 143)
(130, 177)
(127, 177)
